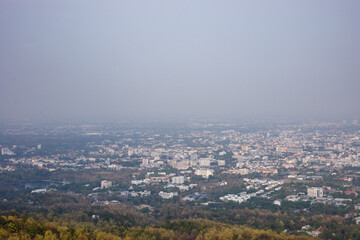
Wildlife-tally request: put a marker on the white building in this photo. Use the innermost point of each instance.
(137, 182)
(167, 195)
(183, 188)
(221, 162)
(145, 162)
(243, 171)
(144, 193)
(42, 190)
(277, 202)
(178, 180)
(204, 162)
(6, 151)
(205, 173)
(222, 153)
(106, 184)
(315, 192)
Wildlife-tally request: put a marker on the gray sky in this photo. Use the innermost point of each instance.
(114, 60)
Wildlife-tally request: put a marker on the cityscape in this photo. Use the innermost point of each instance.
(289, 167)
(179, 120)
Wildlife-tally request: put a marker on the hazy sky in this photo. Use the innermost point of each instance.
(113, 60)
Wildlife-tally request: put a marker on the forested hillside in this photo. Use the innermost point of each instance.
(23, 227)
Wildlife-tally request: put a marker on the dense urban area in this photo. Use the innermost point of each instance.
(198, 180)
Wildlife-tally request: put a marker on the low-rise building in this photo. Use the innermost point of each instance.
(167, 195)
(178, 180)
(106, 184)
(205, 173)
(315, 192)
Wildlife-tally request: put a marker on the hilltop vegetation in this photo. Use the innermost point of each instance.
(24, 227)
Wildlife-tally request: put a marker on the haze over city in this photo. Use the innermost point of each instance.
(115, 60)
(182, 120)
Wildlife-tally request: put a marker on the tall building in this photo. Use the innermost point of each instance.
(315, 192)
(145, 162)
(6, 151)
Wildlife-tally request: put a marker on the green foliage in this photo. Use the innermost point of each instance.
(28, 228)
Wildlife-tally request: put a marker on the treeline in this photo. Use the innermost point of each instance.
(75, 208)
(24, 228)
